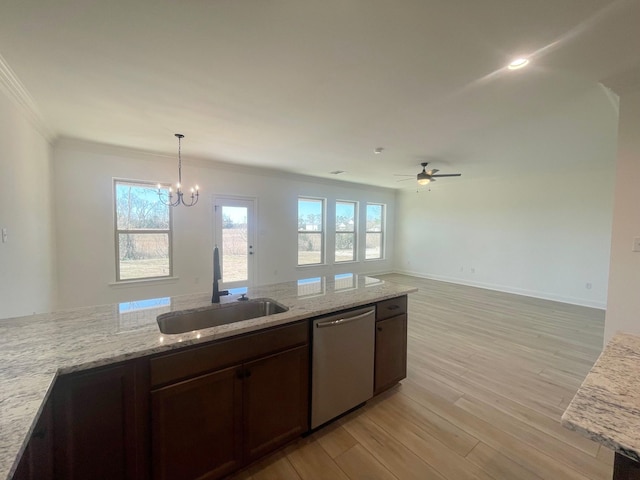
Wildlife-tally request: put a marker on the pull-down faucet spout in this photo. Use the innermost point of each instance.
(216, 277)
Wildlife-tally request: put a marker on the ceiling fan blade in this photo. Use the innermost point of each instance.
(432, 171)
(401, 175)
(448, 175)
(404, 179)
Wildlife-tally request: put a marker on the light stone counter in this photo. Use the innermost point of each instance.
(606, 408)
(35, 349)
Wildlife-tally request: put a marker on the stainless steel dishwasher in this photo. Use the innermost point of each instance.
(342, 366)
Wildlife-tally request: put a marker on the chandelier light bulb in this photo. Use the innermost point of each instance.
(168, 199)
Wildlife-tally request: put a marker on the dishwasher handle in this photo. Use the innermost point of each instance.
(341, 321)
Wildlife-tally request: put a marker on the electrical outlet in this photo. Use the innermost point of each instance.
(473, 270)
(588, 285)
(636, 244)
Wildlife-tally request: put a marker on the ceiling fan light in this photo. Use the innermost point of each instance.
(423, 181)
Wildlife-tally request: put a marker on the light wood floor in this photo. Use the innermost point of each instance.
(489, 377)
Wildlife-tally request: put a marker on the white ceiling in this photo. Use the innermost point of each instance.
(310, 86)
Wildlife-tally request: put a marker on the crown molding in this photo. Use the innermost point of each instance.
(17, 92)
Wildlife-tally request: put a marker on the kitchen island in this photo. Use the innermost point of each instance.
(606, 408)
(35, 350)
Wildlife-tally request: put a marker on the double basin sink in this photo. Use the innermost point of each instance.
(216, 315)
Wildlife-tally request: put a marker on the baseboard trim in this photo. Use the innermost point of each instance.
(583, 302)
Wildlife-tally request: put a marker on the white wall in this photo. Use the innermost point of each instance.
(543, 231)
(27, 258)
(84, 214)
(623, 312)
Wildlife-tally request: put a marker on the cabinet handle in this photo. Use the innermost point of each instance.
(240, 374)
(393, 307)
(247, 373)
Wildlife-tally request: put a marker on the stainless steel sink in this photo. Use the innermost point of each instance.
(216, 315)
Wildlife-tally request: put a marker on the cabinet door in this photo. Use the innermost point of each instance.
(37, 460)
(97, 424)
(196, 427)
(391, 352)
(276, 401)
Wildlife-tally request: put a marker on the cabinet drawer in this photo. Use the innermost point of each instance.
(196, 361)
(391, 308)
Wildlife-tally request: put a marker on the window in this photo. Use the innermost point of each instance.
(310, 231)
(374, 238)
(345, 232)
(143, 231)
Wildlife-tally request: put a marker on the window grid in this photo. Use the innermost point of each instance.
(346, 231)
(143, 231)
(311, 233)
(375, 229)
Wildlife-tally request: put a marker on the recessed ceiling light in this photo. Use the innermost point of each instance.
(518, 63)
(378, 150)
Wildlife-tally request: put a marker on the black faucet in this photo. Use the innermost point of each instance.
(216, 277)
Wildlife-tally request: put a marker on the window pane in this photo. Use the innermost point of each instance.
(310, 231)
(345, 216)
(138, 207)
(235, 261)
(309, 248)
(345, 247)
(143, 255)
(374, 218)
(373, 245)
(310, 215)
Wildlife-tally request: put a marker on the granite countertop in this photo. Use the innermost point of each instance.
(35, 349)
(606, 408)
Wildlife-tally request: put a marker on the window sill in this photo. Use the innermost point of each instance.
(311, 265)
(143, 282)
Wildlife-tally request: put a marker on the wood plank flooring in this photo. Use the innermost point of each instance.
(489, 375)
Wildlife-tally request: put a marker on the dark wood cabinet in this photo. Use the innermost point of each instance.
(197, 427)
(100, 423)
(37, 460)
(253, 400)
(276, 401)
(391, 344)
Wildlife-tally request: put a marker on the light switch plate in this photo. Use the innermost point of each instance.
(636, 244)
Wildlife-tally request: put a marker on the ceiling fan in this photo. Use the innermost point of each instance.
(425, 177)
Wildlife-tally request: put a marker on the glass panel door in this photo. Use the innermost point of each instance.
(234, 236)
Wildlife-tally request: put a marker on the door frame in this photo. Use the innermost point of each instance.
(218, 200)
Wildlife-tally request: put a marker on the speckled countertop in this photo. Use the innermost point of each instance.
(606, 408)
(35, 349)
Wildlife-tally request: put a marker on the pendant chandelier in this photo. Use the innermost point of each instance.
(168, 199)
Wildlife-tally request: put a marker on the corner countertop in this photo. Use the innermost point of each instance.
(35, 349)
(606, 408)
